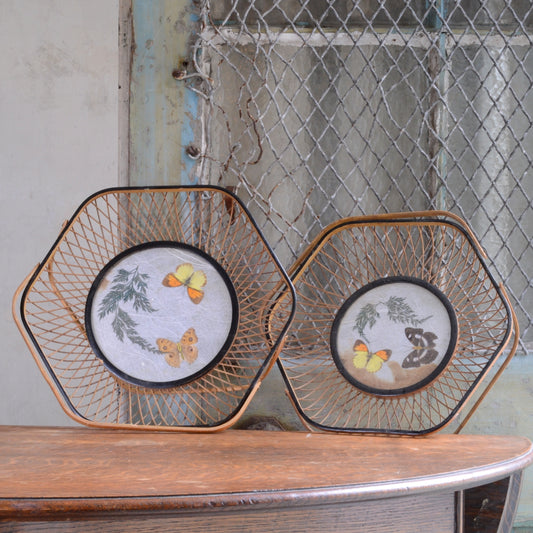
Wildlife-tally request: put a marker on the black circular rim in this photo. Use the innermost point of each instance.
(368, 287)
(161, 384)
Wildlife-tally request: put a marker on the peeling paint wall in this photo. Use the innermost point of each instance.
(160, 106)
(58, 144)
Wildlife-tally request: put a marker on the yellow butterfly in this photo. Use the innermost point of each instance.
(185, 275)
(363, 358)
(176, 352)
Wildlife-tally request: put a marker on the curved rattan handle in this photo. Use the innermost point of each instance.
(15, 308)
(515, 331)
(29, 343)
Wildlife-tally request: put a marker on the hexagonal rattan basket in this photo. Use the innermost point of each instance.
(153, 309)
(398, 322)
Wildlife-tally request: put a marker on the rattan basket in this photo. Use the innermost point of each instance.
(153, 309)
(398, 323)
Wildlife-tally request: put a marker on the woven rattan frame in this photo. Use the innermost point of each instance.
(53, 304)
(435, 247)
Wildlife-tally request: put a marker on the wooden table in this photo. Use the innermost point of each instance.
(84, 479)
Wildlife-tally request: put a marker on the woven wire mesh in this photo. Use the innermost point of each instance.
(319, 109)
(54, 305)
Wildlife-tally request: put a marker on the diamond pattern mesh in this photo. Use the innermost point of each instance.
(53, 307)
(360, 251)
(315, 110)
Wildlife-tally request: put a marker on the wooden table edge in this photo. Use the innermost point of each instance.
(30, 507)
(178, 504)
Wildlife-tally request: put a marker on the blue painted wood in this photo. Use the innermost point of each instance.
(162, 110)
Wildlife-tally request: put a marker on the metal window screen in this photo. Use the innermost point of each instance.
(315, 110)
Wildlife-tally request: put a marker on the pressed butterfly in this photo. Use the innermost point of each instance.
(176, 352)
(363, 358)
(185, 275)
(423, 343)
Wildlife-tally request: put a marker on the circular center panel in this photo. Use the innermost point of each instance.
(161, 314)
(394, 335)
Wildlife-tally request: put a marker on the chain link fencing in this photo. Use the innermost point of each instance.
(314, 110)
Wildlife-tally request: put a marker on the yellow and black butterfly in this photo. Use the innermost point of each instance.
(363, 358)
(423, 348)
(185, 275)
(184, 350)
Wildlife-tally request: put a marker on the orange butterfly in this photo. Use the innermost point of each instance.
(371, 362)
(176, 352)
(185, 275)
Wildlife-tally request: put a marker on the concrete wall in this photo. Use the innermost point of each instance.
(58, 144)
